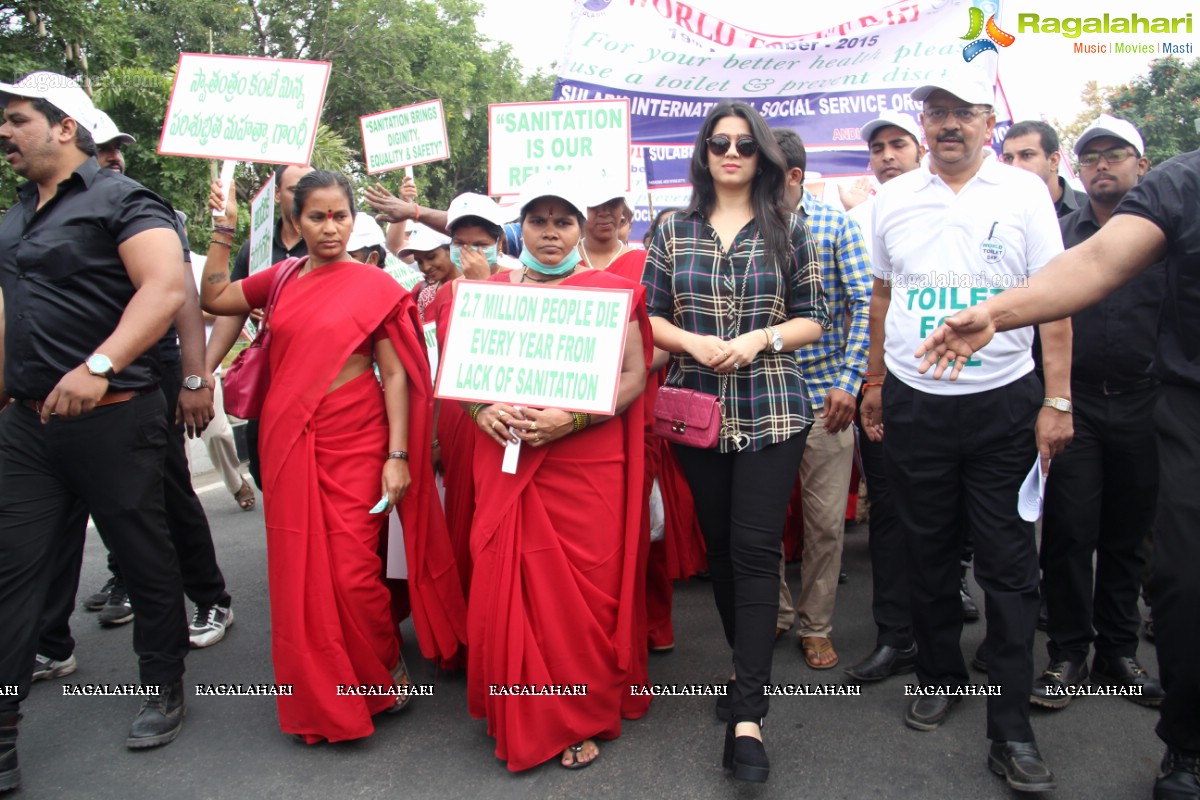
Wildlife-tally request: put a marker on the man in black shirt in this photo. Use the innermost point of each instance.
(286, 243)
(1157, 219)
(1032, 145)
(1100, 493)
(187, 408)
(91, 274)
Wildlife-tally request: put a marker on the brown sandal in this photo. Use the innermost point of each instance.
(816, 651)
(245, 496)
(402, 681)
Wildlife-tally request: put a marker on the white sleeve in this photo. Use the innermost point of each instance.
(881, 264)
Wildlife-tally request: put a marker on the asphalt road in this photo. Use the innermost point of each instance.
(820, 747)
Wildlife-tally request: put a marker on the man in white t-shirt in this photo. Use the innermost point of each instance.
(894, 142)
(948, 236)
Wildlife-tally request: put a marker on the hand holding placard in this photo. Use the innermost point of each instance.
(226, 183)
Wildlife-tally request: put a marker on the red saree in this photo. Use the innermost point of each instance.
(458, 449)
(559, 560)
(322, 457)
(680, 554)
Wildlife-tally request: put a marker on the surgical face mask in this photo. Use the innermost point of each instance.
(569, 262)
(488, 252)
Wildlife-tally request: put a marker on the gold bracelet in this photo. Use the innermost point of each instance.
(580, 420)
(475, 408)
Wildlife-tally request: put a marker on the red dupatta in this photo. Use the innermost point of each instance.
(340, 306)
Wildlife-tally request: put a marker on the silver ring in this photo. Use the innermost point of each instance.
(736, 365)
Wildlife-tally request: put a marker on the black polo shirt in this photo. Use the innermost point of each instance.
(1169, 196)
(241, 265)
(1072, 199)
(64, 284)
(1113, 341)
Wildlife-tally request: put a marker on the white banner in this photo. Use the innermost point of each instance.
(591, 137)
(262, 227)
(538, 346)
(404, 136)
(264, 110)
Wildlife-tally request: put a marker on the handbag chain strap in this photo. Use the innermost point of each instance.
(728, 429)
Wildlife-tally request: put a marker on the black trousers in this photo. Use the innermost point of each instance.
(741, 501)
(1100, 499)
(889, 568)
(111, 459)
(945, 453)
(203, 582)
(252, 452)
(1175, 586)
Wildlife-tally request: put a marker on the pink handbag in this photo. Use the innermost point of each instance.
(688, 417)
(246, 381)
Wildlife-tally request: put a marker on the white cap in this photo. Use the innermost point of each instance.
(107, 131)
(968, 85)
(897, 119)
(422, 240)
(553, 183)
(1107, 125)
(477, 205)
(365, 234)
(59, 91)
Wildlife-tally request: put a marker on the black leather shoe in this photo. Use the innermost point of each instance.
(1021, 765)
(1128, 672)
(725, 703)
(980, 660)
(160, 719)
(10, 772)
(1179, 778)
(927, 712)
(1051, 689)
(884, 662)
(969, 609)
(745, 756)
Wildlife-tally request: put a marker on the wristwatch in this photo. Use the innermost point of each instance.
(195, 383)
(776, 339)
(100, 365)
(1059, 404)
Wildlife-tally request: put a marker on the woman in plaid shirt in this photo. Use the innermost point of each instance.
(733, 288)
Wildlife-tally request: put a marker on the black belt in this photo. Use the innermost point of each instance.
(1116, 387)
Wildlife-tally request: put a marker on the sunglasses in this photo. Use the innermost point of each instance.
(719, 145)
(1114, 156)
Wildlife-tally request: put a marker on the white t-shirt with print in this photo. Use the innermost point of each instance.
(943, 252)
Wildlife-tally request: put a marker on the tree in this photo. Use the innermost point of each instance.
(1163, 105)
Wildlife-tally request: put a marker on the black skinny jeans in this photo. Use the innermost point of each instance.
(741, 500)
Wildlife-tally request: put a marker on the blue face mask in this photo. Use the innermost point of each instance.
(569, 262)
(488, 252)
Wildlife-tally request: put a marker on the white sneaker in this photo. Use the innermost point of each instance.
(209, 624)
(46, 668)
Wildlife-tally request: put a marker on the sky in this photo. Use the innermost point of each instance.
(1044, 78)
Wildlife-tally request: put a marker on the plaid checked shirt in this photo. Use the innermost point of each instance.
(691, 282)
(839, 358)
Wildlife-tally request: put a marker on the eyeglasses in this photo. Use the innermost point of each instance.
(719, 145)
(1113, 156)
(937, 114)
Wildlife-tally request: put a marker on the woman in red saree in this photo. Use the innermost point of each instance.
(332, 440)
(679, 554)
(557, 546)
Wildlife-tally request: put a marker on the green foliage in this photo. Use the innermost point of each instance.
(1163, 106)
(385, 53)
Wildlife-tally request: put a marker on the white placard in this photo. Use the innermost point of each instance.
(404, 136)
(262, 227)
(431, 347)
(538, 346)
(246, 109)
(590, 137)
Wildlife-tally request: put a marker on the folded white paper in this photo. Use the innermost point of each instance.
(1033, 492)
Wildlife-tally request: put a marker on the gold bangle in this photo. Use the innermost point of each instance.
(475, 408)
(580, 420)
